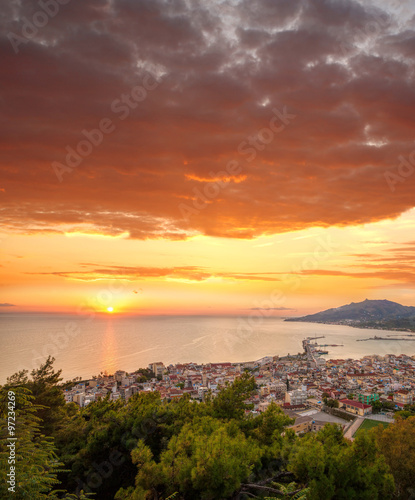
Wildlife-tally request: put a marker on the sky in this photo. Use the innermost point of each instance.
(206, 157)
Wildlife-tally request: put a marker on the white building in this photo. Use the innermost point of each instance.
(296, 397)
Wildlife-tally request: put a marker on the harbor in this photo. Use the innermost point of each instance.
(383, 338)
(313, 353)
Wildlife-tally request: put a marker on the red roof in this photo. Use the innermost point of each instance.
(357, 404)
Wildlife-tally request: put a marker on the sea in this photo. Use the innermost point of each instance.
(84, 346)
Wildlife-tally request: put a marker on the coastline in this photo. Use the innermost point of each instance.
(360, 326)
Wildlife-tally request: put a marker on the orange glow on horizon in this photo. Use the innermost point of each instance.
(309, 270)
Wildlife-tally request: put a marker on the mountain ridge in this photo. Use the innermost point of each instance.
(367, 311)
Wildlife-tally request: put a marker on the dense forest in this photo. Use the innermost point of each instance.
(148, 449)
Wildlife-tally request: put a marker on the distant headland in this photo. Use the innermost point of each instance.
(377, 314)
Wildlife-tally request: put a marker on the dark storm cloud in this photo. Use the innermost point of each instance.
(343, 69)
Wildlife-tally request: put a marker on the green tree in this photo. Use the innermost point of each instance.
(208, 460)
(410, 408)
(388, 405)
(332, 403)
(376, 406)
(269, 425)
(335, 468)
(397, 443)
(229, 403)
(44, 385)
(403, 414)
(33, 455)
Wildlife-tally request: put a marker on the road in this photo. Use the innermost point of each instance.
(353, 428)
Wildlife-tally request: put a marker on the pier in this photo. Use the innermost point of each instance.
(383, 338)
(313, 358)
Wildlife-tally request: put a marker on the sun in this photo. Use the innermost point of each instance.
(110, 309)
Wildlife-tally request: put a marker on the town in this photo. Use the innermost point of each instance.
(308, 388)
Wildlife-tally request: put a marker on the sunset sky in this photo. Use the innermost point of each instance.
(206, 157)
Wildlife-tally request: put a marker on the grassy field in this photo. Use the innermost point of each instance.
(369, 424)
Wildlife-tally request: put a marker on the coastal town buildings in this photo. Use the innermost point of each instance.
(291, 382)
(367, 397)
(403, 397)
(355, 407)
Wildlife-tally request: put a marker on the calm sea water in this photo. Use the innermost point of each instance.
(84, 347)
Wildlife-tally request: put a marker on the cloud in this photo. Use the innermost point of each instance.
(344, 69)
(272, 309)
(185, 273)
(395, 264)
(401, 275)
(6, 304)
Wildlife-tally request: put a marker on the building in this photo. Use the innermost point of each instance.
(296, 397)
(157, 368)
(355, 407)
(308, 423)
(79, 398)
(301, 424)
(119, 375)
(367, 397)
(263, 406)
(264, 390)
(403, 397)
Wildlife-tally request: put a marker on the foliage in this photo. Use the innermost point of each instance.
(207, 460)
(230, 401)
(335, 468)
(410, 408)
(376, 406)
(332, 403)
(29, 454)
(268, 426)
(388, 405)
(145, 374)
(290, 492)
(48, 396)
(397, 443)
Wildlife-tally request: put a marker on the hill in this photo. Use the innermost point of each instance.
(369, 313)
